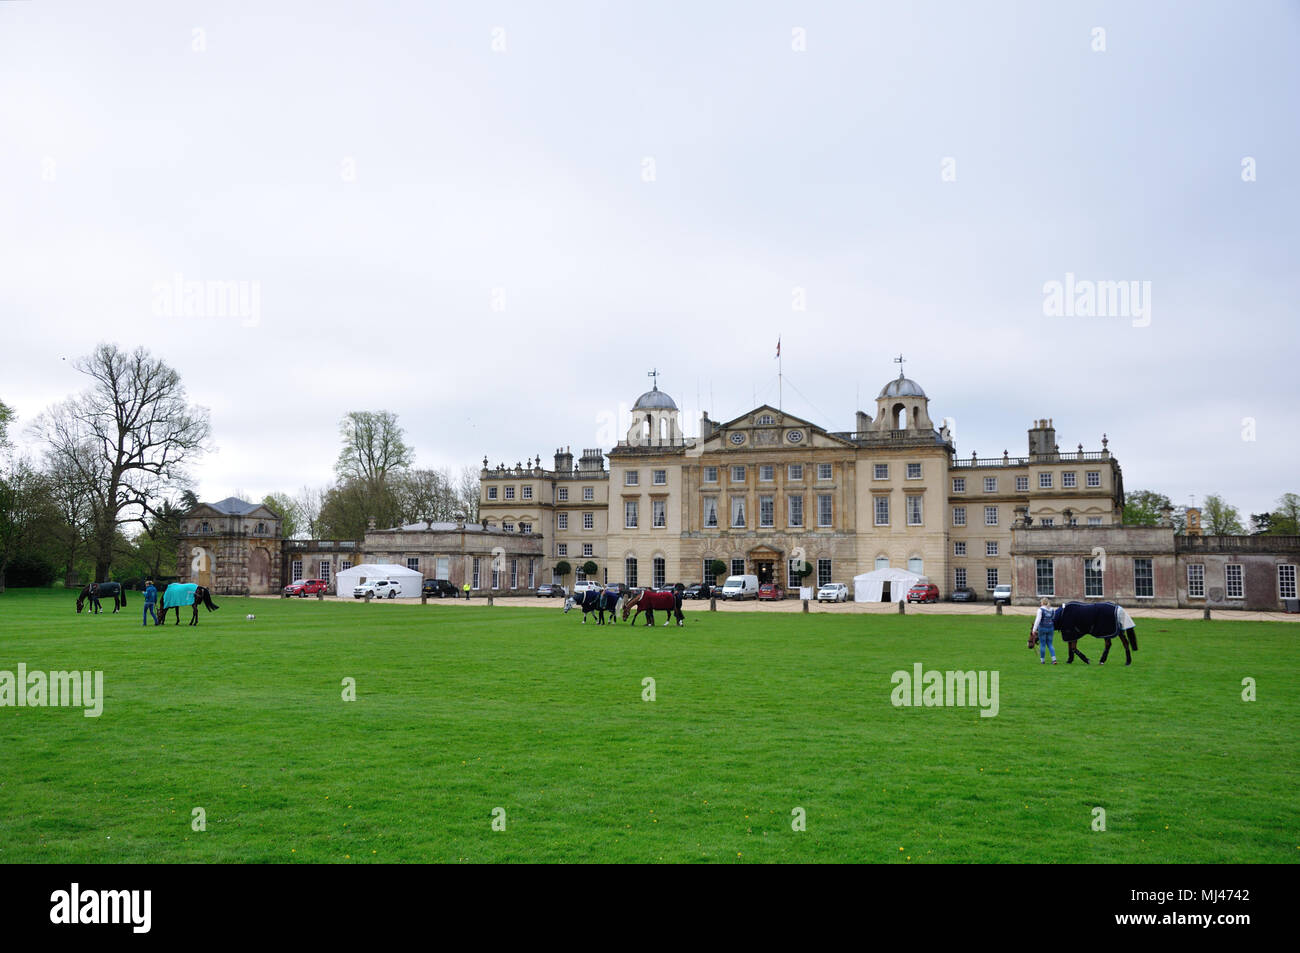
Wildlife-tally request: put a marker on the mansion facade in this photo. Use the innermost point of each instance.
(771, 494)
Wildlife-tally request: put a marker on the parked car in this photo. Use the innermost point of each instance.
(697, 590)
(551, 590)
(377, 589)
(740, 587)
(923, 592)
(833, 592)
(580, 587)
(1002, 593)
(441, 588)
(620, 587)
(770, 591)
(306, 587)
(963, 594)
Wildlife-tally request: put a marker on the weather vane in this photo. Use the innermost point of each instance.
(655, 374)
(899, 361)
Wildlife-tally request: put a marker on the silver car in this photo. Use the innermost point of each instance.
(833, 592)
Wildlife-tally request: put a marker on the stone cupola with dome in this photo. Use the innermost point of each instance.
(656, 420)
(902, 407)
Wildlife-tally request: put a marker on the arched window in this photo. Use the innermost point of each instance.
(663, 428)
(882, 562)
(916, 564)
(647, 431)
(629, 571)
(899, 414)
(660, 571)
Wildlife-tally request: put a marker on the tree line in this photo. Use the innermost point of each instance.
(1218, 516)
(105, 497)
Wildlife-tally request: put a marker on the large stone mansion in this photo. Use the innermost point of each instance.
(767, 492)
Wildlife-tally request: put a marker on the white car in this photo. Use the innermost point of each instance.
(833, 592)
(580, 587)
(1002, 593)
(377, 589)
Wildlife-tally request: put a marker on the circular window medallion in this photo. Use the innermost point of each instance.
(737, 438)
(794, 436)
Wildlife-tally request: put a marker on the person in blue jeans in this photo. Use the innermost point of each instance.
(1044, 623)
(150, 599)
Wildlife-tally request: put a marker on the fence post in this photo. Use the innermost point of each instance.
(367, 597)
(489, 598)
(998, 607)
(320, 595)
(424, 598)
(1207, 613)
(713, 603)
(902, 607)
(805, 605)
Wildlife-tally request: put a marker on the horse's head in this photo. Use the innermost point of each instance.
(568, 604)
(630, 600)
(81, 600)
(1033, 636)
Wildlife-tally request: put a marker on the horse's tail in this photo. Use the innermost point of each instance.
(1126, 621)
(206, 599)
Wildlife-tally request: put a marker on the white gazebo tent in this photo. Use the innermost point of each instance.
(870, 586)
(409, 580)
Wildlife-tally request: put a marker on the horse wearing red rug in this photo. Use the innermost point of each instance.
(647, 600)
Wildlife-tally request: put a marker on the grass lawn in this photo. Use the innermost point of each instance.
(461, 710)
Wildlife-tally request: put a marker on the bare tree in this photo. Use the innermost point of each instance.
(142, 433)
(467, 494)
(308, 505)
(73, 501)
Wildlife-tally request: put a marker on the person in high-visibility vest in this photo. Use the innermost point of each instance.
(467, 592)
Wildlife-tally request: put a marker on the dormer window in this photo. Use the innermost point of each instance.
(766, 420)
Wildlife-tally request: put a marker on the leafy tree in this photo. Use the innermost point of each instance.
(24, 508)
(1286, 518)
(562, 568)
(718, 568)
(1219, 518)
(589, 568)
(467, 494)
(1142, 507)
(285, 507)
(1261, 524)
(127, 440)
(7, 416)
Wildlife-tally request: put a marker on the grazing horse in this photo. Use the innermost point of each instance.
(598, 601)
(1105, 620)
(186, 594)
(97, 590)
(649, 601)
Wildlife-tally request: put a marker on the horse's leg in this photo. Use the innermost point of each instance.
(1104, 653)
(1128, 656)
(1074, 650)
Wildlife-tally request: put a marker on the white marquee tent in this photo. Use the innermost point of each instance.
(870, 586)
(409, 581)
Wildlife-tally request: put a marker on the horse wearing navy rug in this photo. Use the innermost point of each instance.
(1105, 620)
(101, 590)
(598, 601)
(647, 601)
(186, 594)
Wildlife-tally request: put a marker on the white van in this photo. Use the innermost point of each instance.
(740, 587)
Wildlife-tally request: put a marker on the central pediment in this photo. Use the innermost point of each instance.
(767, 428)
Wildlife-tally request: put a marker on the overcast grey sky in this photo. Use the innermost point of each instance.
(494, 218)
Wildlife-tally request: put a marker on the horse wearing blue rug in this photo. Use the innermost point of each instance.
(1104, 620)
(598, 601)
(186, 594)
